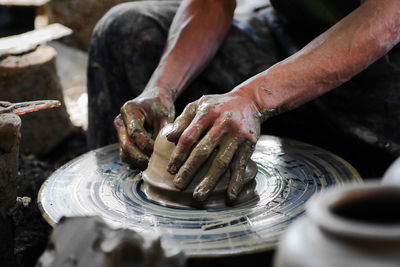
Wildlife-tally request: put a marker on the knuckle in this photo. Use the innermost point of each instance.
(242, 165)
(201, 156)
(187, 140)
(177, 155)
(187, 171)
(126, 105)
(204, 98)
(202, 152)
(192, 105)
(226, 119)
(228, 115)
(251, 145)
(204, 110)
(135, 127)
(189, 137)
(117, 122)
(249, 136)
(222, 163)
(189, 110)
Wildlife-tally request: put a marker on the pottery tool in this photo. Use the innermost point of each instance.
(29, 106)
(289, 173)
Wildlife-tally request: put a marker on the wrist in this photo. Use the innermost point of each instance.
(264, 108)
(165, 95)
(256, 90)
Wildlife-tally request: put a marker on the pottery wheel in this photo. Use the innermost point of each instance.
(289, 173)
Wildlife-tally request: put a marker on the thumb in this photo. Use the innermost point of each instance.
(164, 120)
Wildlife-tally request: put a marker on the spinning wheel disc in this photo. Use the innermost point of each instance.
(289, 172)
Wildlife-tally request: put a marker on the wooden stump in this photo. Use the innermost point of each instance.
(33, 76)
(79, 15)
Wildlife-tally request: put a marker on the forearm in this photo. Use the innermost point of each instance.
(331, 59)
(197, 30)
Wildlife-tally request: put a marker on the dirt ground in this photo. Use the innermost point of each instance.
(31, 230)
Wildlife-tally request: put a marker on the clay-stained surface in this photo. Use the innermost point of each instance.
(289, 173)
(89, 242)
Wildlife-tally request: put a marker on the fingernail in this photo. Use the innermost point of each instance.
(178, 182)
(170, 130)
(172, 169)
(200, 194)
(232, 194)
(168, 134)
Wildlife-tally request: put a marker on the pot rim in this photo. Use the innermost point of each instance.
(320, 211)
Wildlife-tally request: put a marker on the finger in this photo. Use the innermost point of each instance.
(182, 122)
(239, 165)
(196, 159)
(187, 141)
(129, 153)
(134, 123)
(134, 161)
(218, 167)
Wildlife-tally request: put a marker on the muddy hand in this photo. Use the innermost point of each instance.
(137, 126)
(229, 123)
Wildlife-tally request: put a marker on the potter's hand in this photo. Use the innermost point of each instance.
(228, 122)
(138, 124)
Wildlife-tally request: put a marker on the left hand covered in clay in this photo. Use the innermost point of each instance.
(229, 123)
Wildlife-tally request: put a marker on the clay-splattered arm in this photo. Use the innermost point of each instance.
(231, 122)
(331, 59)
(197, 30)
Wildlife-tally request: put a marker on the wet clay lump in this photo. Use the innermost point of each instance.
(158, 182)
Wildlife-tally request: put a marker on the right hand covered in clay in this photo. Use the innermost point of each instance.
(228, 122)
(138, 124)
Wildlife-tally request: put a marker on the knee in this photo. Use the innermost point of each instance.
(125, 23)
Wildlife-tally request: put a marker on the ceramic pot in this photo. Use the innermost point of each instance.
(158, 182)
(354, 225)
